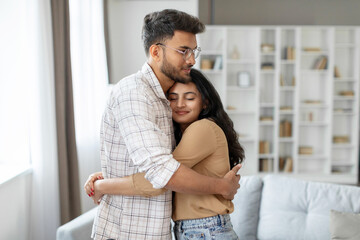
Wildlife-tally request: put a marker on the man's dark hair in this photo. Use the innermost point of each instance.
(160, 26)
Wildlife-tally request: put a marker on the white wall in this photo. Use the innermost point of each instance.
(15, 208)
(127, 53)
(281, 12)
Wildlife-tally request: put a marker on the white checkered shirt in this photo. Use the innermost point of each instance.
(137, 136)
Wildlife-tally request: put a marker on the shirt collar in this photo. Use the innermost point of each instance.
(153, 81)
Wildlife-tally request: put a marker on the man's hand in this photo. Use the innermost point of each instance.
(232, 179)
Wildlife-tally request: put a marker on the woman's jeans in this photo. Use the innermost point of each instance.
(217, 227)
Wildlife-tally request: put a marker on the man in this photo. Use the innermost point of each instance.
(137, 134)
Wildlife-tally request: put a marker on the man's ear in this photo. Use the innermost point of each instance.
(155, 52)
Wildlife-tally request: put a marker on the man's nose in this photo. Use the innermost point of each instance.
(191, 60)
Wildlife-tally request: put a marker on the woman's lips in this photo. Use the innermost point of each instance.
(181, 112)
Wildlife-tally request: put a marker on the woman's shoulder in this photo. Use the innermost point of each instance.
(203, 125)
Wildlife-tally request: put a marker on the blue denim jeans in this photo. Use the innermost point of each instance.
(217, 227)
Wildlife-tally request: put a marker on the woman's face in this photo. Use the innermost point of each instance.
(186, 103)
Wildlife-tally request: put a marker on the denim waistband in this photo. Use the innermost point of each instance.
(203, 222)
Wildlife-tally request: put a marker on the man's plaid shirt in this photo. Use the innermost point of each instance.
(137, 136)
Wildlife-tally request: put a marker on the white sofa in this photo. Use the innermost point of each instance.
(275, 207)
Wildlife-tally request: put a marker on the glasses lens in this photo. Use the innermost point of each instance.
(189, 52)
(197, 52)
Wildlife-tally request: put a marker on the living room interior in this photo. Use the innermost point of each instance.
(287, 73)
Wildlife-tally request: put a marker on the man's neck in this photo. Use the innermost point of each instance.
(165, 82)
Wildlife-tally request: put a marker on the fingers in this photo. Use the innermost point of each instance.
(236, 168)
(89, 184)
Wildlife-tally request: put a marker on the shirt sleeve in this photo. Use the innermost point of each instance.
(148, 146)
(197, 143)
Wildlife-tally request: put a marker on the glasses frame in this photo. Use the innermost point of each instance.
(186, 53)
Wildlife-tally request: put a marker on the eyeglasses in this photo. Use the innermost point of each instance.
(186, 53)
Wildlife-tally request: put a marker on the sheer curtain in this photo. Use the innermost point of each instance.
(44, 194)
(90, 84)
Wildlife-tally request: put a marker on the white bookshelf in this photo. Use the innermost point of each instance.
(290, 85)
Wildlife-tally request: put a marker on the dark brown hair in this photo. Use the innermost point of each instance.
(215, 111)
(160, 26)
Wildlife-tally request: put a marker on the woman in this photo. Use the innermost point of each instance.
(206, 142)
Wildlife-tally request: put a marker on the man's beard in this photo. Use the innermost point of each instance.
(170, 71)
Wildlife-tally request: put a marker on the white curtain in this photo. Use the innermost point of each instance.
(90, 84)
(44, 193)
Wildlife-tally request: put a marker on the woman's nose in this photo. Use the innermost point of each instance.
(180, 103)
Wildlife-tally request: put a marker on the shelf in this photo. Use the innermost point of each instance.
(313, 105)
(286, 112)
(284, 61)
(343, 113)
(342, 145)
(241, 61)
(267, 105)
(343, 98)
(287, 88)
(210, 71)
(236, 88)
(246, 139)
(313, 124)
(315, 95)
(266, 123)
(345, 45)
(239, 112)
(266, 155)
(286, 139)
(311, 157)
(314, 53)
(341, 163)
(314, 71)
(211, 52)
(267, 53)
(263, 71)
(344, 80)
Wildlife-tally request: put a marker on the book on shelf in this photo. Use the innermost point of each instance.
(285, 164)
(267, 66)
(346, 93)
(267, 48)
(321, 63)
(266, 118)
(289, 53)
(264, 147)
(337, 72)
(312, 49)
(266, 165)
(282, 83)
(341, 139)
(285, 128)
(305, 150)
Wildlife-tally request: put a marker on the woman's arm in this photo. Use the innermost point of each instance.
(134, 185)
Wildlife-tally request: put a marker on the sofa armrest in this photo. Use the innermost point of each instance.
(78, 228)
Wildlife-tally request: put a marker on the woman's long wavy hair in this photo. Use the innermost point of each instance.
(215, 111)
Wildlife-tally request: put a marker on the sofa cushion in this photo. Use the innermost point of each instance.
(344, 225)
(78, 228)
(245, 217)
(295, 209)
